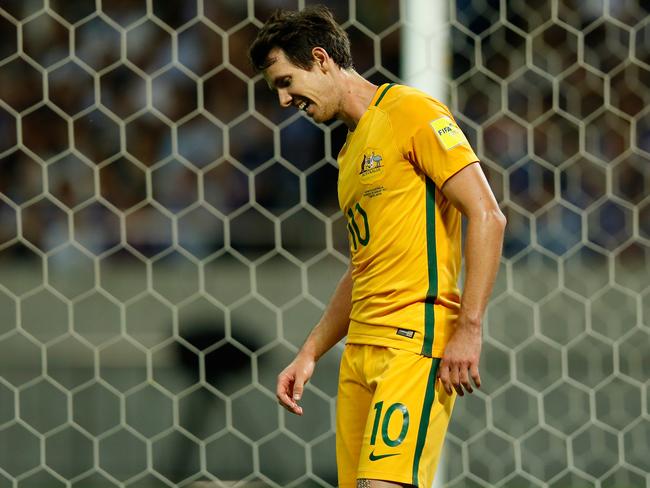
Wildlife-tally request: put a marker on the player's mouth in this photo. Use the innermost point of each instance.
(303, 105)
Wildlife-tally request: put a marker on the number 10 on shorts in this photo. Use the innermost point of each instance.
(385, 436)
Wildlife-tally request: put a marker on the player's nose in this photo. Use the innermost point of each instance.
(285, 98)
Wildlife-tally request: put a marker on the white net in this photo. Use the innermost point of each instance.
(168, 236)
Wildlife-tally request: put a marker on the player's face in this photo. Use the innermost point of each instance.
(311, 91)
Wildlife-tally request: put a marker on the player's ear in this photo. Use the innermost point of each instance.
(320, 57)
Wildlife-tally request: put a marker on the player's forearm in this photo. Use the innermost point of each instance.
(333, 325)
(483, 245)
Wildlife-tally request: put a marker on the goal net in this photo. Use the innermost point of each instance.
(169, 235)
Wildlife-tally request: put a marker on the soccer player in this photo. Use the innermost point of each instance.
(406, 174)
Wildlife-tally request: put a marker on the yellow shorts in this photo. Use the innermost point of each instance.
(391, 416)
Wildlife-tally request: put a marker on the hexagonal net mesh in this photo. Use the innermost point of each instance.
(168, 236)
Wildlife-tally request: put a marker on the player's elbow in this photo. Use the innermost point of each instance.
(498, 222)
(499, 219)
(492, 218)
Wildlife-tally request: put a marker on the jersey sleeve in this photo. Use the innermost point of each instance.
(435, 144)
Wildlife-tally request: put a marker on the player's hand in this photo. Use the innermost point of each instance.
(292, 381)
(460, 360)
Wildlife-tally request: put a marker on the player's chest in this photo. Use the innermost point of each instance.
(371, 164)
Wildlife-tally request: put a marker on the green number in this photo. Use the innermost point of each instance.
(353, 228)
(405, 425)
(362, 240)
(384, 425)
(373, 437)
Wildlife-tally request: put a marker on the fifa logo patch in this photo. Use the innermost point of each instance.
(372, 167)
(449, 134)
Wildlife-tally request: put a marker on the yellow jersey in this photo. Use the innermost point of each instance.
(405, 236)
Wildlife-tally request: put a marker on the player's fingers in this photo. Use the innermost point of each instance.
(298, 387)
(464, 379)
(283, 392)
(285, 400)
(443, 374)
(454, 378)
(287, 403)
(293, 407)
(476, 377)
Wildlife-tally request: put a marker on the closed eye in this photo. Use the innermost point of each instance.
(284, 82)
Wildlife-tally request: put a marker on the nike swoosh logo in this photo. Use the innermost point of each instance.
(374, 457)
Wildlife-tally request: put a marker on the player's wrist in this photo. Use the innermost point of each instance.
(308, 352)
(471, 322)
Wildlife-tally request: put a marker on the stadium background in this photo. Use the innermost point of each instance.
(168, 236)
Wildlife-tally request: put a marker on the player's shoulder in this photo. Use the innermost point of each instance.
(406, 103)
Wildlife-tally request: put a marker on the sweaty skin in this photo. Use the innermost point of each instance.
(332, 93)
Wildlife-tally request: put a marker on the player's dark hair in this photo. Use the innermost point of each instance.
(297, 33)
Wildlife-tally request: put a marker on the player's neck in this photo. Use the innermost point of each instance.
(356, 97)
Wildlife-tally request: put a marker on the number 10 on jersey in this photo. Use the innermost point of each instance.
(353, 228)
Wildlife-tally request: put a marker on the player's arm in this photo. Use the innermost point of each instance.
(469, 191)
(331, 328)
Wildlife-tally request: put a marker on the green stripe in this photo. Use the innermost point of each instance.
(390, 85)
(429, 396)
(432, 264)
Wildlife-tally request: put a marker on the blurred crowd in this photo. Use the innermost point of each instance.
(130, 127)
